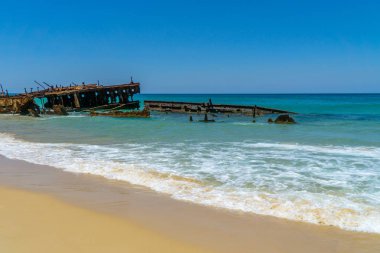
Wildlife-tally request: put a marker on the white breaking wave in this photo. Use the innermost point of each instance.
(329, 185)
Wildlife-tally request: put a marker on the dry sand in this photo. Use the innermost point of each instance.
(31, 222)
(85, 213)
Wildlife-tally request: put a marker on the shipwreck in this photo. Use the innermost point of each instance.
(114, 101)
(60, 99)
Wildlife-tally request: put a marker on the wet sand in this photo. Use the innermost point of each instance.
(187, 226)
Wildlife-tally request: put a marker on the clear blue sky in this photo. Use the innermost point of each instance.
(194, 46)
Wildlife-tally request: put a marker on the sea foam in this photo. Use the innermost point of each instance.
(327, 185)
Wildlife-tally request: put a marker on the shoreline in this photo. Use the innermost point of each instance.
(204, 227)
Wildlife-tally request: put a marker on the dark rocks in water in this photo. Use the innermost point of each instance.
(253, 121)
(270, 120)
(60, 110)
(284, 119)
(33, 113)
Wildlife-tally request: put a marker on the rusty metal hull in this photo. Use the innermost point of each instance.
(93, 96)
(16, 104)
(70, 98)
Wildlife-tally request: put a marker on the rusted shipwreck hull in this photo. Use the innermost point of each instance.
(20, 104)
(92, 96)
(59, 100)
(209, 107)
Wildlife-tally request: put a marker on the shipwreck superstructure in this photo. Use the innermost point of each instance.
(72, 98)
(91, 96)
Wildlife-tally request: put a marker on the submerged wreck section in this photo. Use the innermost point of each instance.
(119, 114)
(209, 107)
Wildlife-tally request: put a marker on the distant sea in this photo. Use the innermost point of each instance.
(324, 170)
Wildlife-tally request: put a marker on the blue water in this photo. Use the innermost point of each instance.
(324, 170)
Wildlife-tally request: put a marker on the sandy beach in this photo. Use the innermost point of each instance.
(56, 211)
(34, 222)
(190, 126)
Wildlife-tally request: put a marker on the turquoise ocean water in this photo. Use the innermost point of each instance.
(324, 170)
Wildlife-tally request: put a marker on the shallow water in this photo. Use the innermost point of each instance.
(324, 170)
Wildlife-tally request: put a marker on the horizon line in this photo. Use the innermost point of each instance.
(261, 93)
(284, 93)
